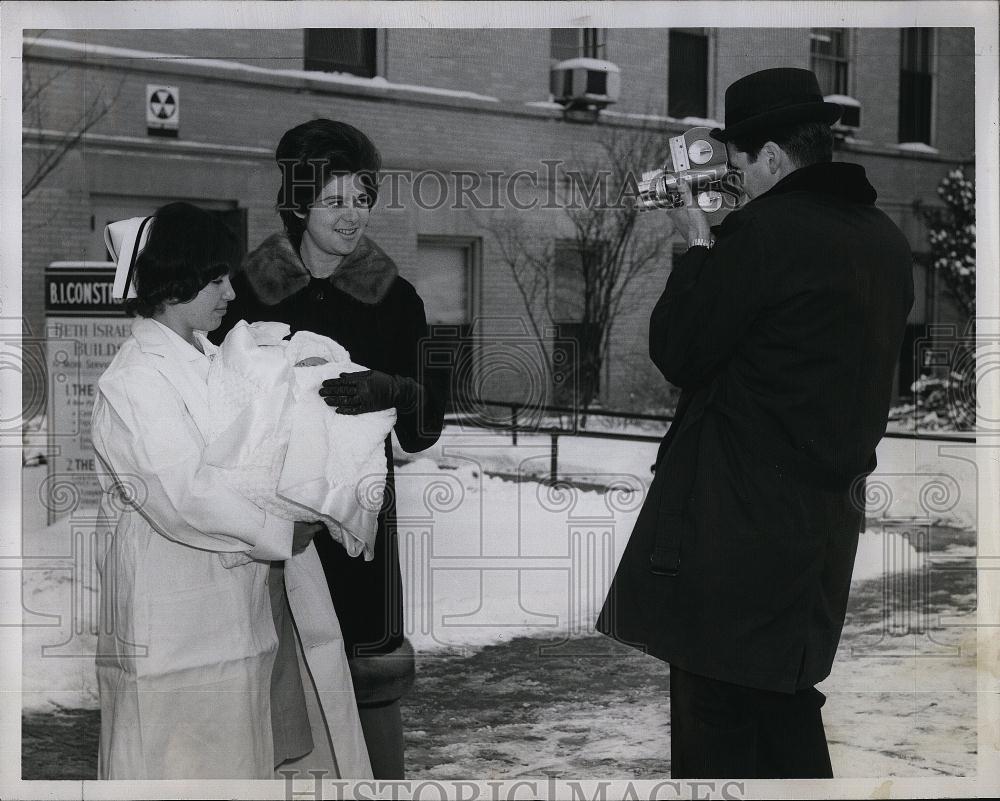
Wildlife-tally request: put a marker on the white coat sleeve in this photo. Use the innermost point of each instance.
(142, 429)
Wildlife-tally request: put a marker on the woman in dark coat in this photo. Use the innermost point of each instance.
(324, 275)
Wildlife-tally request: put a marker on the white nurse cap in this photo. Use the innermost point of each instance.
(125, 240)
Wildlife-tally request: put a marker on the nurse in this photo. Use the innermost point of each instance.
(187, 641)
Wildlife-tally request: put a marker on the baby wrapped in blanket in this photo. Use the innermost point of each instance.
(282, 446)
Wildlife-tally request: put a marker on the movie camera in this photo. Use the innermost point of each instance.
(696, 159)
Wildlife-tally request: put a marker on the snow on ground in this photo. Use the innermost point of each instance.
(487, 559)
(925, 479)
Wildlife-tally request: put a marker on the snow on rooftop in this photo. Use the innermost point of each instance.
(842, 100)
(690, 121)
(917, 147)
(707, 122)
(545, 104)
(587, 63)
(628, 115)
(341, 78)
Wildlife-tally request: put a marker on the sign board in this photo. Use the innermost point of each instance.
(83, 330)
(163, 110)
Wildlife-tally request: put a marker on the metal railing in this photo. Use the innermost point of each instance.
(515, 426)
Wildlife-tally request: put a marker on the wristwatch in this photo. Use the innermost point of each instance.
(701, 243)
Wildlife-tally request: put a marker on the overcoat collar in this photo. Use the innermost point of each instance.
(847, 181)
(173, 365)
(275, 271)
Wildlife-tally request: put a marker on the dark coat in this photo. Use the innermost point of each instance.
(784, 339)
(378, 316)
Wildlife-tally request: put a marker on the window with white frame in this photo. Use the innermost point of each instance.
(829, 60)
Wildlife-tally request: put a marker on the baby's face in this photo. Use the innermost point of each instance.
(311, 361)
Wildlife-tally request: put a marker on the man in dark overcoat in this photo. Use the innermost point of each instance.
(782, 328)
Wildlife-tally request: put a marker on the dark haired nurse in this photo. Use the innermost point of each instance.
(324, 275)
(186, 642)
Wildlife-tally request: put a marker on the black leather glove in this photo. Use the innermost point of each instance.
(370, 391)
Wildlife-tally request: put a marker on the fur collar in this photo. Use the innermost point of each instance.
(275, 271)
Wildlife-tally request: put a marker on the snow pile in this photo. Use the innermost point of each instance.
(924, 482)
(34, 441)
(884, 552)
(59, 600)
(494, 559)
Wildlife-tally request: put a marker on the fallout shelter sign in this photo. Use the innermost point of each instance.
(163, 110)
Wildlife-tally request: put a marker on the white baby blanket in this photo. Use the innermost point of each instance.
(282, 446)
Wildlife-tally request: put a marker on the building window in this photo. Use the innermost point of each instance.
(915, 85)
(566, 43)
(576, 337)
(350, 50)
(442, 277)
(687, 73)
(828, 59)
(444, 274)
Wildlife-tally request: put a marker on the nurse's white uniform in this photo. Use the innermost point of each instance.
(187, 639)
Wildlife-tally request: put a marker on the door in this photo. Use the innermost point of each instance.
(107, 209)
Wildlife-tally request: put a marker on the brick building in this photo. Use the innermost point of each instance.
(449, 102)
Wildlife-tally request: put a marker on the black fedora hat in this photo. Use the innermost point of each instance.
(774, 97)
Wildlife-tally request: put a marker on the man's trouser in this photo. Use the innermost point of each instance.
(722, 730)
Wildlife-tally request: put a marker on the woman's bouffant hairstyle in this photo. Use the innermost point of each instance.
(187, 247)
(310, 154)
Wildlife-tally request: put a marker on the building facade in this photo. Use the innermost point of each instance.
(195, 115)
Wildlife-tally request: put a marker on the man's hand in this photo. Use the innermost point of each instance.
(302, 535)
(369, 391)
(691, 222)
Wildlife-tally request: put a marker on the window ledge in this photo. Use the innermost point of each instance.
(917, 152)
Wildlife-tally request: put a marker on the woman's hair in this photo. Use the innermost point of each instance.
(187, 247)
(310, 154)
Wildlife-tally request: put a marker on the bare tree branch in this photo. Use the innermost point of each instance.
(33, 105)
(527, 270)
(610, 252)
